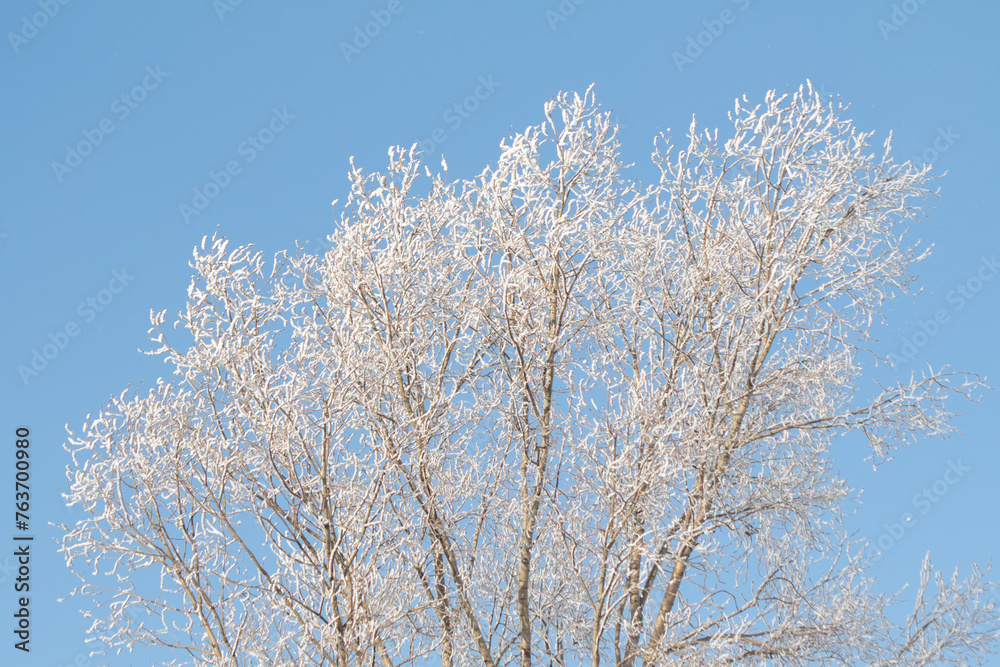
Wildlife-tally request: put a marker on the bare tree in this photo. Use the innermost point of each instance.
(545, 416)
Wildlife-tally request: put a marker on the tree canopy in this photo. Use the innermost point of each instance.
(548, 415)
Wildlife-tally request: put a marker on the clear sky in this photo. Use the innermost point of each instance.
(133, 129)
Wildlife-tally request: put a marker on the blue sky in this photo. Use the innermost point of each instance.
(257, 107)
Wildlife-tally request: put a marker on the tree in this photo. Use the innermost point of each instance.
(545, 416)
